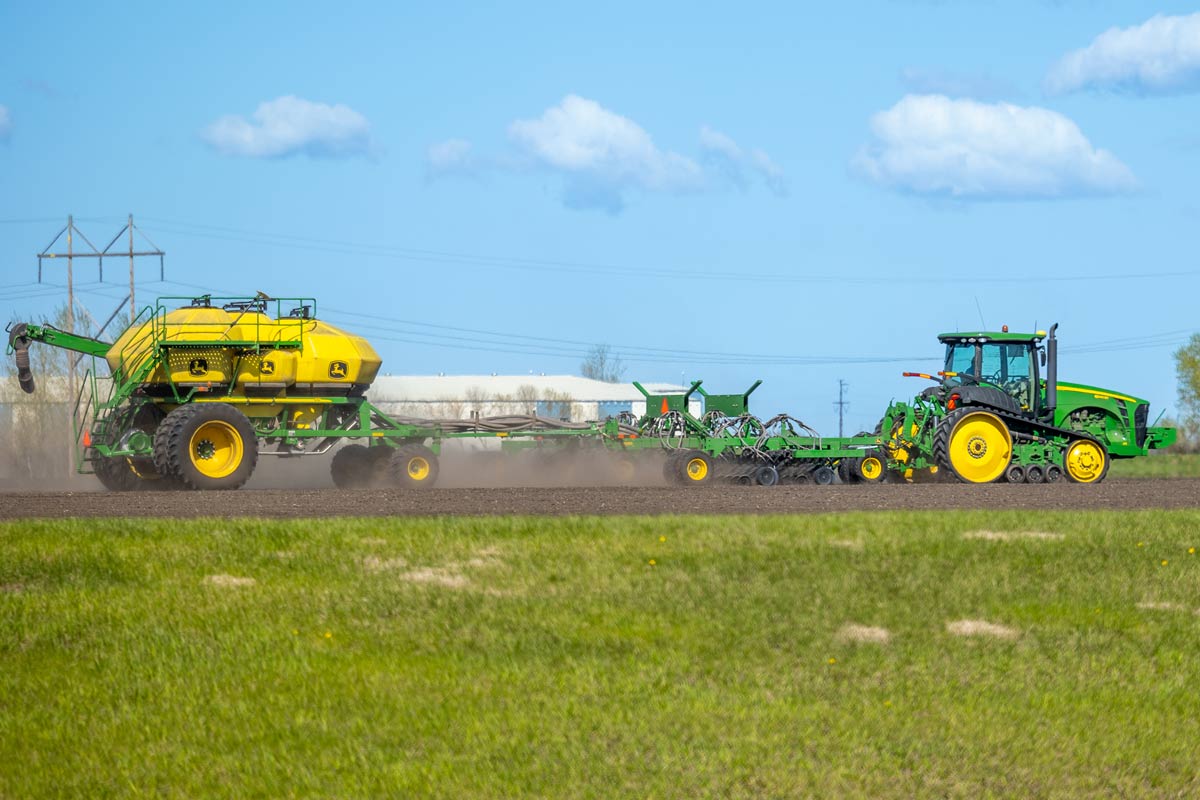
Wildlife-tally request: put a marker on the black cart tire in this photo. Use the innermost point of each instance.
(351, 467)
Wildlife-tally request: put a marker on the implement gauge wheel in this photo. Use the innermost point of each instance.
(976, 445)
(695, 468)
(766, 475)
(206, 446)
(414, 466)
(871, 468)
(1085, 461)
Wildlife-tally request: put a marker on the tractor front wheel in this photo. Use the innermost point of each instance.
(206, 446)
(1085, 461)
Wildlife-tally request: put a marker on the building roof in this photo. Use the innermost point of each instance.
(433, 388)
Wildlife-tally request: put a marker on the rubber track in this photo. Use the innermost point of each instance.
(941, 438)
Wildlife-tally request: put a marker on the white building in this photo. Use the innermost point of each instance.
(557, 396)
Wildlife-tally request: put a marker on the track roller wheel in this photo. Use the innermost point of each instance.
(696, 468)
(414, 466)
(206, 446)
(352, 466)
(1015, 474)
(976, 445)
(766, 475)
(1054, 473)
(1085, 461)
(1035, 474)
(823, 475)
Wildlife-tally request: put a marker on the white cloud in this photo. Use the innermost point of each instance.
(1160, 56)
(5, 123)
(930, 144)
(452, 155)
(721, 153)
(602, 156)
(289, 126)
(601, 153)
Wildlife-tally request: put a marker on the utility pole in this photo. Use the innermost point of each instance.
(841, 404)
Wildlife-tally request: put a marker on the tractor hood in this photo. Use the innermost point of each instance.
(1082, 391)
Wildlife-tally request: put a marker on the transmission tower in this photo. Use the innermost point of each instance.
(841, 404)
(70, 232)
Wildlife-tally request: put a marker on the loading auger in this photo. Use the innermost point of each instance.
(195, 394)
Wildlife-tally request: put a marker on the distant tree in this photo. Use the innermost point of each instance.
(1187, 374)
(602, 364)
(37, 430)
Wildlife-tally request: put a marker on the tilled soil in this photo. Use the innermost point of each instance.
(558, 501)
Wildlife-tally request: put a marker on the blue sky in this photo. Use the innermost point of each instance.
(785, 193)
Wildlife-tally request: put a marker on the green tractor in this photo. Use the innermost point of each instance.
(993, 416)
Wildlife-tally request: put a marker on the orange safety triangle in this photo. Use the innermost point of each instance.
(665, 408)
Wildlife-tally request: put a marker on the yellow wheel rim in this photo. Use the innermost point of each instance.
(871, 468)
(980, 447)
(1085, 461)
(418, 468)
(216, 449)
(697, 469)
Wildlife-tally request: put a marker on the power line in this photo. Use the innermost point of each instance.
(471, 260)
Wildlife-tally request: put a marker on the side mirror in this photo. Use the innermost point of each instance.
(1042, 355)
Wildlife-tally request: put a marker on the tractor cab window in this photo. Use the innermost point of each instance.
(960, 358)
(1006, 366)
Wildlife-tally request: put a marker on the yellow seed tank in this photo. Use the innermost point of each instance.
(259, 355)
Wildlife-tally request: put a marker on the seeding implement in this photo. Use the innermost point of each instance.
(196, 394)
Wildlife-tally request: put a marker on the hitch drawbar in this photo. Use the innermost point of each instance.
(18, 343)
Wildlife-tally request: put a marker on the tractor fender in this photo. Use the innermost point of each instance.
(987, 396)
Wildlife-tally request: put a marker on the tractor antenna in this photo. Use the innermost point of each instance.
(979, 308)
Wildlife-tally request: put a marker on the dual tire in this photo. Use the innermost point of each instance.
(410, 466)
(206, 446)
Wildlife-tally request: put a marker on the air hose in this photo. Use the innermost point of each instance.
(18, 342)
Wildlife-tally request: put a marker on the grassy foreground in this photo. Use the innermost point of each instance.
(603, 657)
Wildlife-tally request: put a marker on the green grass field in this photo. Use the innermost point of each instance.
(1164, 465)
(603, 657)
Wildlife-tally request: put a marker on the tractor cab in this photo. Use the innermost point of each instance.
(990, 362)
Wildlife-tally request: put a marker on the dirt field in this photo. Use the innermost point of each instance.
(1112, 494)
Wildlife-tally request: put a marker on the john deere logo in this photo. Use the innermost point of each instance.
(198, 366)
(267, 368)
(337, 369)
